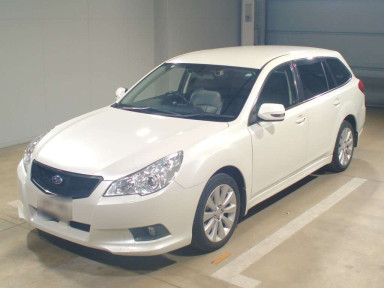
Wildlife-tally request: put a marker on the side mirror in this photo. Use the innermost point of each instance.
(120, 93)
(271, 112)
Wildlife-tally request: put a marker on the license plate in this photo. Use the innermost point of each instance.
(55, 207)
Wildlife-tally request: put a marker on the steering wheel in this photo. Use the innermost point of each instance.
(171, 93)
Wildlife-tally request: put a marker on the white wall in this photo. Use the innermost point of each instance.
(353, 27)
(60, 59)
(183, 26)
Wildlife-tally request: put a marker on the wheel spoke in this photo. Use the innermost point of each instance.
(229, 199)
(348, 136)
(342, 136)
(345, 158)
(208, 226)
(223, 193)
(227, 221)
(211, 204)
(214, 231)
(208, 215)
(220, 230)
(216, 196)
(230, 209)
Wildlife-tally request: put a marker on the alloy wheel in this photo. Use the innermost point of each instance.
(220, 213)
(345, 146)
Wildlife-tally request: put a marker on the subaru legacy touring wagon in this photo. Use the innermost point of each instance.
(191, 147)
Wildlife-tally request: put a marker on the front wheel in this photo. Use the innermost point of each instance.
(217, 213)
(343, 151)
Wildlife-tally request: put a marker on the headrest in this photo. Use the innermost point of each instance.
(208, 101)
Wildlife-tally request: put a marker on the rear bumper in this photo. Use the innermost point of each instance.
(361, 122)
(110, 218)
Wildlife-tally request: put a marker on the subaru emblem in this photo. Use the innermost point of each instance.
(57, 179)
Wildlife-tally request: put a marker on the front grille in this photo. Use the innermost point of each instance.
(72, 185)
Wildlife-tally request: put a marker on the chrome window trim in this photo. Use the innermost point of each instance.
(297, 80)
(322, 59)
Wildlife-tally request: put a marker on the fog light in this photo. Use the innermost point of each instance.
(149, 233)
(152, 231)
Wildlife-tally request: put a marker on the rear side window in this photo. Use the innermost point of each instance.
(330, 78)
(312, 77)
(340, 72)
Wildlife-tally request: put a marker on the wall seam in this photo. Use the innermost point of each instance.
(379, 34)
(43, 60)
(90, 102)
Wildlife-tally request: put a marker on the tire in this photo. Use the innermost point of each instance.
(344, 147)
(220, 220)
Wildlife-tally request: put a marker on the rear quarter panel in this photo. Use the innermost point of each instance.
(353, 103)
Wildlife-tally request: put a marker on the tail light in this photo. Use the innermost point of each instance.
(361, 86)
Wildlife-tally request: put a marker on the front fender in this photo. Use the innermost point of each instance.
(230, 147)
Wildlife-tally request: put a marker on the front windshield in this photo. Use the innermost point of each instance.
(194, 91)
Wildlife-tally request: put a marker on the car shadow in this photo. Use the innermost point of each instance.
(270, 201)
(190, 251)
(137, 264)
(147, 264)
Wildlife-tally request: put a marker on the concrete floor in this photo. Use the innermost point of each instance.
(342, 247)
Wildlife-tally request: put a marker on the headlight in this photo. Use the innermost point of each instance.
(150, 179)
(28, 152)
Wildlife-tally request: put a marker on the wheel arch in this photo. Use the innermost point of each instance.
(352, 120)
(236, 174)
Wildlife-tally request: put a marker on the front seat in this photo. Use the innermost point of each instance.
(208, 101)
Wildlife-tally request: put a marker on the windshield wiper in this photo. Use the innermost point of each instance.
(208, 117)
(149, 110)
(197, 116)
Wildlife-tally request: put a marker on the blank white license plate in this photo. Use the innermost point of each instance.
(56, 207)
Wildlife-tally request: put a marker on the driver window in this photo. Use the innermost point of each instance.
(279, 88)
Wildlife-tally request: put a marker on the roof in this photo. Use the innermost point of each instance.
(247, 56)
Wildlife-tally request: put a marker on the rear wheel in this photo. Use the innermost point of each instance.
(217, 213)
(343, 151)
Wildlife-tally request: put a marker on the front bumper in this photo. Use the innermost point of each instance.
(110, 218)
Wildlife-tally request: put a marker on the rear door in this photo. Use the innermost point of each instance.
(322, 103)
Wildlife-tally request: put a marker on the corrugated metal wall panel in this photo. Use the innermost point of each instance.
(353, 27)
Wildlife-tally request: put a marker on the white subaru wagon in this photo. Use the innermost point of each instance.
(191, 147)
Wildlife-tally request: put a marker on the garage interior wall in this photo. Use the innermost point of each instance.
(60, 59)
(185, 26)
(353, 27)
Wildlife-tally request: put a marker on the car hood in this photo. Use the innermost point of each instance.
(113, 143)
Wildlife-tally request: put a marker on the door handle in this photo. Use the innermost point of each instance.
(300, 119)
(336, 102)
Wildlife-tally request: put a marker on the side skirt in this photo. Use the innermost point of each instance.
(288, 181)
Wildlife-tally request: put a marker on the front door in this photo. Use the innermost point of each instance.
(279, 148)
